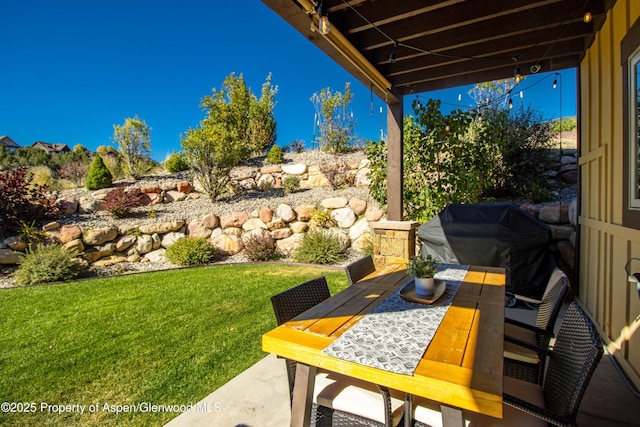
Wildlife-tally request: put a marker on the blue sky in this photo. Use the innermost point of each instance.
(73, 69)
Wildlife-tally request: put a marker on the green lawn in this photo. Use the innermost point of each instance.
(163, 338)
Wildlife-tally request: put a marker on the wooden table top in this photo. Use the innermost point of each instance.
(462, 366)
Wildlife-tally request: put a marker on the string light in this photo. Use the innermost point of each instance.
(488, 102)
(587, 16)
(323, 20)
(516, 72)
(392, 57)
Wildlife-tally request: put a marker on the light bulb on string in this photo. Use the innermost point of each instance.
(323, 20)
(516, 72)
(392, 56)
(587, 16)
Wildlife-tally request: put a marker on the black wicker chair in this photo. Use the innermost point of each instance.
(572, 361)
(520, 360)
(295, 301)
(359, 269)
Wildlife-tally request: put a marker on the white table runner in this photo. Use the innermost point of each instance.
(395, 335)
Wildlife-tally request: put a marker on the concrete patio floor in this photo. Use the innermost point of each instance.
(258, 397)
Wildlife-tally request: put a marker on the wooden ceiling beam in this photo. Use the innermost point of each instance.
(521, 46)
(456, 66)
(438, 82)
(458, 19)
(386, 20)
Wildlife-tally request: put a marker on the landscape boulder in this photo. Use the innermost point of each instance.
(98, 236)
(161, 227)
(9, 257)
(16, 243)
(334, 202)
(236, 219)
(68, 233)
(286, 213)
(294, 169)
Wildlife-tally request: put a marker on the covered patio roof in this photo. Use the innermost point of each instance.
(412, 46)
(399, 48)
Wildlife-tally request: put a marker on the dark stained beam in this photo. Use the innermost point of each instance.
(470, 13)
(431, 63)
(455, 79)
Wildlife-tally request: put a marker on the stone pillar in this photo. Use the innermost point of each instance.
(393, 241)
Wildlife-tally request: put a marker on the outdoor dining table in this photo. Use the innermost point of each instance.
(461, 367)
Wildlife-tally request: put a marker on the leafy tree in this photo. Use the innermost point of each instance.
(212, 153)
(262, 122)
(134, 145)
(228, 133)
(523, 139)
(463, 156)
(24, 156)
(336, 122)
(81, 150)
(99, 176)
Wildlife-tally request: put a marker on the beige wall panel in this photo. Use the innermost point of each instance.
(595, 192)
(605, 245)
(616, 126)
(588, 292)
(606, 101)
(618, 316)
(634, 11)
(594, 97)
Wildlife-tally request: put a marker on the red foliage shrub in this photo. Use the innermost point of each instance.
(121, 201)
(22, 202)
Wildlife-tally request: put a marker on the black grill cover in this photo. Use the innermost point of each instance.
(497, 235)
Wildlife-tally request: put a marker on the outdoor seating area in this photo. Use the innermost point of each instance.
(608, 401)
(361, 339)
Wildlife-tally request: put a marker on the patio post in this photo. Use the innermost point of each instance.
(394, 159)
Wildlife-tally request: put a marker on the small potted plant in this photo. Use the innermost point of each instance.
(423, 270)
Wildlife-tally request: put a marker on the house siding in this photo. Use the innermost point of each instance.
(605, 243)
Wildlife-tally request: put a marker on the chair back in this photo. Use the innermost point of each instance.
(293, 302)
(576, 353)
(552, 300)
(359, 269)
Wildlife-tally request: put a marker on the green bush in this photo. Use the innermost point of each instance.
(99, 176)
(564, 125)
(48, 263)
(320, 247)
(461, 157)
(176, 163)
(191, 251)
(291, 184)
(260, 247)
(275, 155)
(322, 218)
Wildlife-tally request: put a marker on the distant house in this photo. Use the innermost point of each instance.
(8, 143)
(52, 148)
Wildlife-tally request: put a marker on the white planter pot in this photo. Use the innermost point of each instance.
(424, 286)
